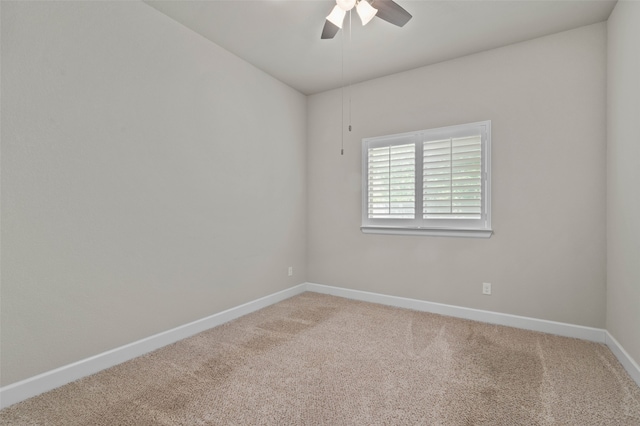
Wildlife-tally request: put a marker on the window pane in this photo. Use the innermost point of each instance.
(391, 182)
(452, 184)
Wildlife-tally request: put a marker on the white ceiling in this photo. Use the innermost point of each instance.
(282, 37)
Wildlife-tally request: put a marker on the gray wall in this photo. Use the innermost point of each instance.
(623, 177)
(546, 99)
(149, 178)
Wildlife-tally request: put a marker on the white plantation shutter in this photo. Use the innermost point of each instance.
(452, 183)
(391, 182)
(434, 182)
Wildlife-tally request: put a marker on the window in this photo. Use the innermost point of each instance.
(430, 182)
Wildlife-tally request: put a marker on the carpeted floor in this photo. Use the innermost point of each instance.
(317, 359)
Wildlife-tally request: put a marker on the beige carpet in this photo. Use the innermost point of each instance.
(317, 359)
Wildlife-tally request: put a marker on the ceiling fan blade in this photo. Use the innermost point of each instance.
(391, 12)
(329, 31)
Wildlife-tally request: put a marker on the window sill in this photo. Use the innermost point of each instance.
(434, 232)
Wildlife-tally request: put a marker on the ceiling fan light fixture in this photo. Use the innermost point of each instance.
(346, 5)
(366, 12)
(336, 17)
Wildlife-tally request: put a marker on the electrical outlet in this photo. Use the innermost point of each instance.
(290, 271)
(486, 288)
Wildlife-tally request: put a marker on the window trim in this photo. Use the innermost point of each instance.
(416, 226)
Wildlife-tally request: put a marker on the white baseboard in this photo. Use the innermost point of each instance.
(551, 327)
(36, 385)
(44, 382)
(625, 359)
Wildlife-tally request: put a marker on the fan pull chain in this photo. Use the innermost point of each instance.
(342, 99)
(350, 45)
(342, 89)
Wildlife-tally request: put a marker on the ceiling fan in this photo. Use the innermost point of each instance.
(388, 10)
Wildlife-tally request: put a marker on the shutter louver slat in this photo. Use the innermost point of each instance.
(391, 182)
